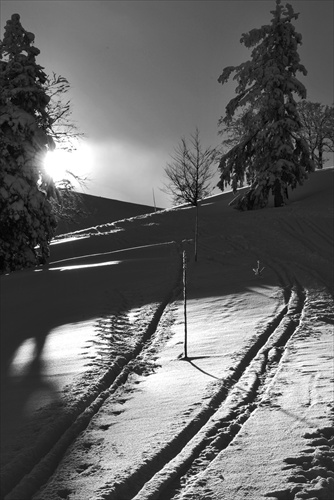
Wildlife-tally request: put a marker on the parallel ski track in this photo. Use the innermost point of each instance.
(208, 434)
(244, 399)
(24, 476)
(317, 304)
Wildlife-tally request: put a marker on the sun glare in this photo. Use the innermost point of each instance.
(61, 164)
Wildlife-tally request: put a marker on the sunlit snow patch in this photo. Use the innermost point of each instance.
(67, 240)
(84, 266)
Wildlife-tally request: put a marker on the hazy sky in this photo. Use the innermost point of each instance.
(144, 74)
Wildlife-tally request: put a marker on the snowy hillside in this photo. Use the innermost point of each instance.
(98, 400)
(98, 210)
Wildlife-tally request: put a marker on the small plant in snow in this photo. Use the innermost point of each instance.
(258, 270)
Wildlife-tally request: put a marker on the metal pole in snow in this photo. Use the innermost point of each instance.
(185, 304)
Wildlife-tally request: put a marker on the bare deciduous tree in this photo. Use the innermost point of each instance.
(64, 130)
(66, 203)
(190, 173)
(317, 129)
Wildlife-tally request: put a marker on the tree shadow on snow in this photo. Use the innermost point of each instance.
(34, 303)
(23, 395)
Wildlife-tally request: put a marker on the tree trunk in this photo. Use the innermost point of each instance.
(278, 198)
(321, 161)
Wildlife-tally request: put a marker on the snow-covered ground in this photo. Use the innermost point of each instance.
(98, 401)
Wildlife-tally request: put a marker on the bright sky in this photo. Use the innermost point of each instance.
(144, 74)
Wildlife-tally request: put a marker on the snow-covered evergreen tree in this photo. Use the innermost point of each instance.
(27, 223)
(272, 155)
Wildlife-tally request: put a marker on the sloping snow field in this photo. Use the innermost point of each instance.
(98, 399)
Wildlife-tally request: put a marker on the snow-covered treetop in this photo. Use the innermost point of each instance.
(17, 39)
(21, 78)
(273, 65)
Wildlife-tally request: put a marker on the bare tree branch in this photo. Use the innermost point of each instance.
(190, 171)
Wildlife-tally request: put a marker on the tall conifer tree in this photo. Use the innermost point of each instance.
(272, 155)
(27, 223)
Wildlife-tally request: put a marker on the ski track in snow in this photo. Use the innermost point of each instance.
(224, 417)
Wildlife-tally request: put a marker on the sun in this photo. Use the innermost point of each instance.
(61, 164)
(57, 163)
